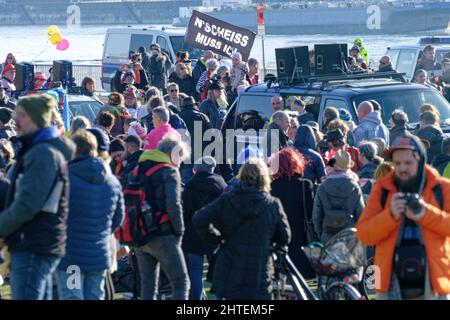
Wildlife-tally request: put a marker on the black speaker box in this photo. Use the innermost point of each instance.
(330, 59)
(62, 71)
(24, 76)
(293, 64)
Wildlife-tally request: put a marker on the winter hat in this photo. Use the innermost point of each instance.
(344, 115)
(102, 139)
(343, 161)
(205, 164)
(216, 85)
(117, 145)
(39, 107)
(6, 115)
(136, 130)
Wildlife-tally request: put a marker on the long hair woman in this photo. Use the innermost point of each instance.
(296, 196)
(247, 222)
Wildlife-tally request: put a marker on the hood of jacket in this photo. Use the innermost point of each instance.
(430, 133)
(207, 183)
(248, 201)
(373, 117)
(91, 170)
(339, 186)
(154, 155)
(305, 138)
(441, 159)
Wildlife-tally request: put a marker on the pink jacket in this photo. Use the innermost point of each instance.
(151, 140)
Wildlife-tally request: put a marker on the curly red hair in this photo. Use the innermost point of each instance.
(290, 162)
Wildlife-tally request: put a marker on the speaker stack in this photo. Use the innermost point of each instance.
(330, 59)
(63, 72)
(24, 76)
(293, 64)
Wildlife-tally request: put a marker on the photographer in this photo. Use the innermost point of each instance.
(407, 219)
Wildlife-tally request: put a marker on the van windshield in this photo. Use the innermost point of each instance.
(408, 101)
(178, 44)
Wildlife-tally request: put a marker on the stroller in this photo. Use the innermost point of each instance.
(339, 265)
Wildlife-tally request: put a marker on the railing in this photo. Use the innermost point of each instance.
(79, 71)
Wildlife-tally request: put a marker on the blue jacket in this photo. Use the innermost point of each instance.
(96, 210)
(306, 144)
(371, 126)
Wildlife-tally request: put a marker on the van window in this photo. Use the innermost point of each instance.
(407, 62)
(163, 44)
(178, 44)
(117, 46)
(338, 104)
(260, 104)
(393, 54)
(140, 40)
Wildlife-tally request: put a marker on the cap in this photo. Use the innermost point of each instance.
(9, 67)
(216, 85)
(354, 48)
(205, 164)
(403, 142)
(188, 102)
(335, 134)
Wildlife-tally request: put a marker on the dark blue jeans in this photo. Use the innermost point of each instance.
(195, 267)
(31, 276)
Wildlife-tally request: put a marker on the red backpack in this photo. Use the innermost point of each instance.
(140, 220)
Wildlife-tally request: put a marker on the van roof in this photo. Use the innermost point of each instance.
(171, 31)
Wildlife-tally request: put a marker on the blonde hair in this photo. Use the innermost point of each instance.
(429, 107)
(255, 173)
(338, 124)
(383, 170)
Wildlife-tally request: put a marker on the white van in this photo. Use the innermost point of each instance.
(120, 42)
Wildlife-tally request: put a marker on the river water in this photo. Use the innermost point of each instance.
(86, 44)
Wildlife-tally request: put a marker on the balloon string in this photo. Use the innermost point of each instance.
(45, 49)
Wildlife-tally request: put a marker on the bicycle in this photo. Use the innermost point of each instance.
(287, 280)
(339, 265)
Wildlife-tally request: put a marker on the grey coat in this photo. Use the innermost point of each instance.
(338, 191)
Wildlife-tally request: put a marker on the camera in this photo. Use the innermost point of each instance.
(413, 202)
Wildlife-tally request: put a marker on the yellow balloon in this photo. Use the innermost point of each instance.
(51, 30)
(56, 38)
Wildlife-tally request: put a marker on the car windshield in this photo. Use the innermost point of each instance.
(89, 109)
(178, 44)
(407, 100)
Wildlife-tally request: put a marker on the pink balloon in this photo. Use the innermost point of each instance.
(63, 45)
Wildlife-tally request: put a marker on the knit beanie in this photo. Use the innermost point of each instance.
(6, 115)
(39, 107)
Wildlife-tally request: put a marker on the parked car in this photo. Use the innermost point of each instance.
(404, 58)
(80, 105)
(346, 92)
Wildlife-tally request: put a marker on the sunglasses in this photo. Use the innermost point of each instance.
(174, 90)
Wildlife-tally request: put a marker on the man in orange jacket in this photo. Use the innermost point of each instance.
(411, 237)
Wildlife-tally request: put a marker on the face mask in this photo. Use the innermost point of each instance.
(155, 52)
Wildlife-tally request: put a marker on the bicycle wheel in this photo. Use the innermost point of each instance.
(367, 285)
(342, 291)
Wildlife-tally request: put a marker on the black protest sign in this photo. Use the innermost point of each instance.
(220, 37)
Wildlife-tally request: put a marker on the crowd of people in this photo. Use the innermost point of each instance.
(64, 195)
